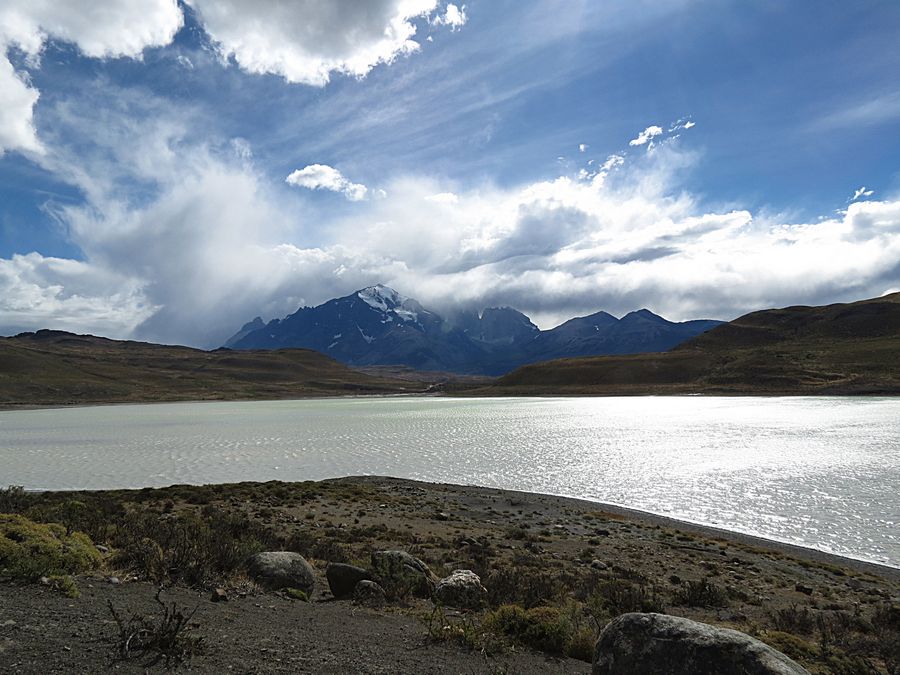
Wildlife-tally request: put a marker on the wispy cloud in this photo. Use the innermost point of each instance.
(878, 109)
(861, 192)
(646, 136)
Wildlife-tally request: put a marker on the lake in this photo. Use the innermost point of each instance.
(815, 471)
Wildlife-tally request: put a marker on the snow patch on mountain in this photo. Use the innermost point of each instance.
(381, 297)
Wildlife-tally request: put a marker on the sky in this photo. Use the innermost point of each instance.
(170, 170)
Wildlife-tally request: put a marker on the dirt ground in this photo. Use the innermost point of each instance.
(577, 545)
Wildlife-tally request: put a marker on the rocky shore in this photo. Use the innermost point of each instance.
(384, 575)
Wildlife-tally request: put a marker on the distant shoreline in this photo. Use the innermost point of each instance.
(463, 394)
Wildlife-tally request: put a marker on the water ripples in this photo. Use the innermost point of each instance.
(822, 472)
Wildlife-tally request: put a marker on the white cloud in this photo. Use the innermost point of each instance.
(582, 147)
(40, 292)
(305, 41)
(453, 16)
(443, 198)
(16, 124)
(324, 177)
(217, 243)
(861, 192)
(646, 136)
(113, 28)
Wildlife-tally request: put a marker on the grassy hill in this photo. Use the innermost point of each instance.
(54, 367)
(836, 349)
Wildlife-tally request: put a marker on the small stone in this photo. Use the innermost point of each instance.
(282, 569)
(369, 594)
(440, 515)
(399, 573)
(801, 588)
(103, 549)
(115, 581)
(599, 564)
(219, 595)
(45, 581)
(342, 578)
(461, 589)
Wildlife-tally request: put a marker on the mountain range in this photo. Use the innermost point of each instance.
(847, 348)
(377, 326)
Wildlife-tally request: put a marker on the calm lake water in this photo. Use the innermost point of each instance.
(820, 472)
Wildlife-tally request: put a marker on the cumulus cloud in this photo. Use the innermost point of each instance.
(42, 292)
(184, 241)
(303, 41)
(453, 16)
(324, 177)
(17, 130)
(307, 40)
(646, 136)
(114, 28)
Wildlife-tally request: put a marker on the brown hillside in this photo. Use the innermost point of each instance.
(849, 348)
(53, 367)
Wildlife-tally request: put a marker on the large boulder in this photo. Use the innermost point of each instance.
(461, 589)
(282, 569)
(342, 579)
(636, 644)
(400, 573)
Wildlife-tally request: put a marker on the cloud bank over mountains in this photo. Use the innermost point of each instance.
(215, 243)
(184, 233)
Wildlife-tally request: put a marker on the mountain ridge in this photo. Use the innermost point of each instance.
(841, 348)
(377, 326)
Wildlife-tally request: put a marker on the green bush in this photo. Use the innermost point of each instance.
(703, 593)
(30, 550)
(542, 628)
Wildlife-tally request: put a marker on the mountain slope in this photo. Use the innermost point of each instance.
(377, 326)
(849, 348)
(54, 367)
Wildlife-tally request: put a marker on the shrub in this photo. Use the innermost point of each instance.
(163, 638)
(13, 499)
(539, 627)
(702, 593)
(195, 549)
(615, 597)
(523, 586)
(30, 550)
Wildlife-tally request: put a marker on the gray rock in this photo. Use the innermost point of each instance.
(369, 594)
(636, 644)
(461, 589)
(400, 573)
(282, 569)
(342, 579)
(219, 595)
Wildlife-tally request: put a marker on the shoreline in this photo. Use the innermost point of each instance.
(462, 395)
(649, 517)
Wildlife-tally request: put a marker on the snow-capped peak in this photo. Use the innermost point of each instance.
(385, 299)
(381, 297)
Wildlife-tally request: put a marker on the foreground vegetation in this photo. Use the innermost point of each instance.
(556, 570)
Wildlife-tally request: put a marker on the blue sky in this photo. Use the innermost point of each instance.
(172, 170)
